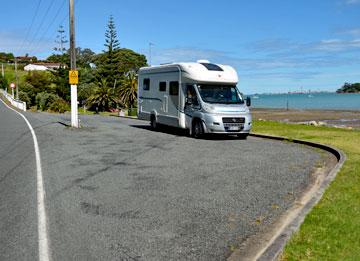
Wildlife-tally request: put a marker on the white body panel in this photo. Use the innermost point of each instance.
(169, 109)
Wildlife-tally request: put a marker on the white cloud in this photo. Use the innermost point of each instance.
(337, 45)
(355, 32)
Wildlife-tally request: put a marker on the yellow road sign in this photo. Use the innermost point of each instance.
(73, 77)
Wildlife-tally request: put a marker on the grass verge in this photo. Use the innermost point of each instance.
(331, 231)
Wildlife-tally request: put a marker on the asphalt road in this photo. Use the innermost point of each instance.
(119, 191)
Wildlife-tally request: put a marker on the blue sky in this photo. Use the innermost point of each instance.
(276, 46)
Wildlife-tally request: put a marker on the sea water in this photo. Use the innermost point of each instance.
(328, 101)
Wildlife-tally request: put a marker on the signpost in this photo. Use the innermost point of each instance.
(12, 86)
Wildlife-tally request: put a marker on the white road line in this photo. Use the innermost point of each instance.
(42, 227)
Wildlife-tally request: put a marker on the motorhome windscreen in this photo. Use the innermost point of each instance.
(226, 94)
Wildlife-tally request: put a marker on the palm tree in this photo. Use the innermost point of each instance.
(128, 90)
(103, 98)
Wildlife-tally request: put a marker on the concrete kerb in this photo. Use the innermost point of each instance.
(272, 246)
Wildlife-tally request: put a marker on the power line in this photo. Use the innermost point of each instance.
(49, 26)
(37, 46)
(31, 25)
(41, 23)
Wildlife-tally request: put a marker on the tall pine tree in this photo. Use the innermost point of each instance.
(108, 69)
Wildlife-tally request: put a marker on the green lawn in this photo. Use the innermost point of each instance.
(331, 231)
(10, 74)
(81, 111)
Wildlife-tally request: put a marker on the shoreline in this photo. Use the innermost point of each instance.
(324, 117)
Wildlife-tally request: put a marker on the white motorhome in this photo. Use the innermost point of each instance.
(199, 96)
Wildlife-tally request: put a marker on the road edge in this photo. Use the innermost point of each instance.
(43, 244)
(272, 248)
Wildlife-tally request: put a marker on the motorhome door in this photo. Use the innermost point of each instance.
(191, 104)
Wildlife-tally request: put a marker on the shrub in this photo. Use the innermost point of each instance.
(30, 91)
(52, 102)
(40, 80)
(3, 82)
(44, 100)
(23, 96)
(59, 105)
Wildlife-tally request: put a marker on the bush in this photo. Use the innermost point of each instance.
(59, 105)
(44, 100)
(3, 82)
(40, 80)
(29, 90)
(23, 96)
(51, 102)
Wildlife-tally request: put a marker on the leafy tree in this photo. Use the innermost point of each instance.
(59, 58)
(84, 57)
(111, 41)
(60, 80)
(128, 90)
(41, 81)
(6, 57)
(349, 88)
(61, 41)
(85, 90)
(103, 97)
(126, 60)
(108, 65)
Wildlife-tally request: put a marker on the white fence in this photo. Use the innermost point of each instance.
(16, 103)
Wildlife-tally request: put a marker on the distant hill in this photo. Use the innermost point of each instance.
(349, 88)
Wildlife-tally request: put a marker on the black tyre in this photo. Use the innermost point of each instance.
(153, 122)
(198, 130)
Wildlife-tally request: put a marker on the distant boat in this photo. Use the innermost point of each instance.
(310, 96)
(255, 97)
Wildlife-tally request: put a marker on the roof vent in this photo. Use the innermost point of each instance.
(203, 61)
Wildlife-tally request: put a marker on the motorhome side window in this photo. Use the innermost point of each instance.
(162, 86)
(174, 88)
(191, 95)
(146, 84)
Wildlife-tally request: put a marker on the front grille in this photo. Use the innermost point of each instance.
(233, 120)
(232, 124)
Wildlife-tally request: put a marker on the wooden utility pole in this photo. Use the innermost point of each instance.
(74, 101)
(16, 80)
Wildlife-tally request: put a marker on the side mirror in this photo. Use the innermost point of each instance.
(248, 101)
